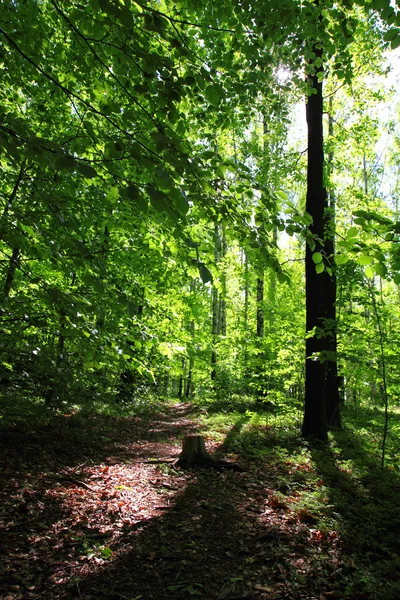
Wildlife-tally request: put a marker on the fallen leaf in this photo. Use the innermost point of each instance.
(264, 588)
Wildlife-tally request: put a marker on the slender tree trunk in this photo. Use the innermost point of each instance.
(260, 308)
(14, 259)
(215, 328)
(11, 272)
(246, 309)
(100, 322)
(315, 407)
(222, 299)
(365, 175)
(181, 380)
(333, 396)
(189, 382)
(272, 283)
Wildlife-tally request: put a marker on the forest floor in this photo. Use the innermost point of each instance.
(89, 510)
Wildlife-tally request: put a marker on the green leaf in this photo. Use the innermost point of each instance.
(352, 232)
(283, 277)
(179, 201)
(390, 35)
(106, 552)
(214, 94)
(341, 259)
(65, 163)
(205, 274)
(395, 43)
(369, 272)
(133, 193)
(364, 260)
(189, 242)
(317, 257)
(320, 267)
(281, 194)
(163, 181)
(87, 171)
(380, 269)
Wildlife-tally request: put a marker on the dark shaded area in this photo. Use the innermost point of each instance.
(366, 503)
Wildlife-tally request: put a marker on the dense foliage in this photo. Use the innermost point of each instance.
(153, 201)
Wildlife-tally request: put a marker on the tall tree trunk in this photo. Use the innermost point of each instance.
(215, 328)
(246, 309)
(260, 308)
(272, 283)
(11, 272)
(181, 379)
(189, 382)
(333, 395)
(14, 259)
(222, 299)
(315, 407)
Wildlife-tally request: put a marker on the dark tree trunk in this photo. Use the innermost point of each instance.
(315, 407)
(246, 309)
(193, 452)
(222, 299)
(260, 308)
(11, 272)
(181, 381)
(14, 259)
(215, 327)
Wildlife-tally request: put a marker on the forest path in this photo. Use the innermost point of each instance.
(89, 511)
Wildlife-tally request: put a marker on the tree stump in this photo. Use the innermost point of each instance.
(194, 452)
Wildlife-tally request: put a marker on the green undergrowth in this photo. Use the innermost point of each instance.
(35, 411)
(337, 488)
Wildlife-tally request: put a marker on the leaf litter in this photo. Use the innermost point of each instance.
(89, 509)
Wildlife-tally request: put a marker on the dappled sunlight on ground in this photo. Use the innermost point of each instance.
(95, 508)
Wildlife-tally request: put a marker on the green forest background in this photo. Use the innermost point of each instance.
(154, 214)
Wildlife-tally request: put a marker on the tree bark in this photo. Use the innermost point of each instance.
(315, 406)
(215, 311)
(15, 256)
(260, 308)
(246, 309)
(194, 452)
(11, 272)
(333, 395)
(222, 299)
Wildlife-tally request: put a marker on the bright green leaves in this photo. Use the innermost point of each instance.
(369, 272)
(319, 262)
(341, 259)
(317, 257)
(364, 260)
(352, 233)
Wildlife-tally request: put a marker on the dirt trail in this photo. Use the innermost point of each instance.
(86, 513)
